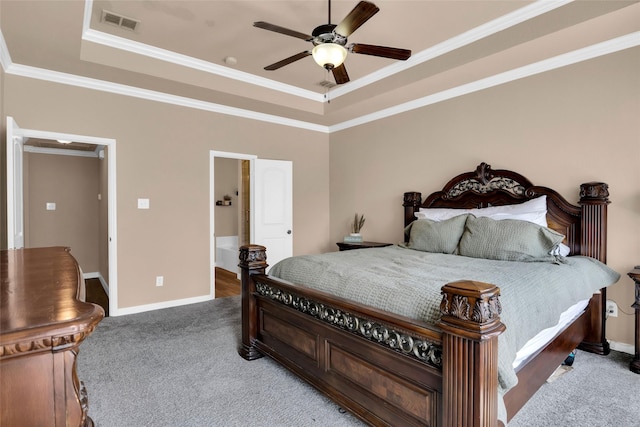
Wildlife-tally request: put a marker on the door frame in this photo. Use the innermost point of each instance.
(15, 185)
(212, 203)
(111, 197)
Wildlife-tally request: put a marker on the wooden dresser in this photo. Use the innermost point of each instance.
(42, 323)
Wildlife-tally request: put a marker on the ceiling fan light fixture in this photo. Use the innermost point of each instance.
(329, 55)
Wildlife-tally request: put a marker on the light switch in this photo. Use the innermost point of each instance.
(143, 203)
(51, 206)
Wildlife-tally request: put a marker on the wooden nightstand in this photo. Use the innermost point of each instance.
(344, 246)
(635, 363)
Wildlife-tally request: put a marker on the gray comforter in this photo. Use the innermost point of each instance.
(408, 282)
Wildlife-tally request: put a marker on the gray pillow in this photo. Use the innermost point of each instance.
(438, 237)
(508, 240)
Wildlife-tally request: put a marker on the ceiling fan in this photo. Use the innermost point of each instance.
(330, 42)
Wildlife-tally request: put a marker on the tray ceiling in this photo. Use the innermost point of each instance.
(179, 48)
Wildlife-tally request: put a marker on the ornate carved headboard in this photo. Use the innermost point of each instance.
(584, 225)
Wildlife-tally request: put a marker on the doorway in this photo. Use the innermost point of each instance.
(21, 141)
(230, 213)
(263, 190)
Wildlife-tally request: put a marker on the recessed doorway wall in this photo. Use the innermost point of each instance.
(16, 200)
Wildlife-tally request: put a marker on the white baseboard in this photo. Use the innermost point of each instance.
(93, 275)
(97, 275)
(160, 305)
(146, 307)
(622, 347)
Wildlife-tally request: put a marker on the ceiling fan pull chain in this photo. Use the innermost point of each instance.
(327, 93)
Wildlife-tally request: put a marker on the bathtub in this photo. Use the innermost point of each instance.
(227, 253)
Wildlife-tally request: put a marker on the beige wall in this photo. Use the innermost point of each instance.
(559, 129)
(72, 183)
(163, 155)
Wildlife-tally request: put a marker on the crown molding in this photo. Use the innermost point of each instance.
(150, 95)
(499, 24)
(482, 31)
(156, 53)
(610, 46)
(121, 43)
(614, 45)
(5, 57)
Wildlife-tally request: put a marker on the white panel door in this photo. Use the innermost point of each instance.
(15, 203)
(273, 209)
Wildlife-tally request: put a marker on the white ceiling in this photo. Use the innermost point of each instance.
(178, 51)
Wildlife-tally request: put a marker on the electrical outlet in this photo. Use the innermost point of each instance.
(612, 308)
(143, 203)
(159, 280)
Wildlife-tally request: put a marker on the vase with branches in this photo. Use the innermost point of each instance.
(358, 223)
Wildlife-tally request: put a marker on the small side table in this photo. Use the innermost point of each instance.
(635, 363)
(344, 246)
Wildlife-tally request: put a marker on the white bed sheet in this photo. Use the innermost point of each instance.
(546, 335)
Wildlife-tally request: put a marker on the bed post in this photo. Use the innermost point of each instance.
(471, 324)
(253, 260)
(411, 203)
(594, 198)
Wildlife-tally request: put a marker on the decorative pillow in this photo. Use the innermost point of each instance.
(508, 240)
(534, 210)
(436, 236)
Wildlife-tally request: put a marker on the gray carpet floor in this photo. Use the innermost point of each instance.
(180, 367)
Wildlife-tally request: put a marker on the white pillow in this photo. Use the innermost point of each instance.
(441, 214)
(561, 249)
(534, 210)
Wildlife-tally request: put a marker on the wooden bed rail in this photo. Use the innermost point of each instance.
(465, 340)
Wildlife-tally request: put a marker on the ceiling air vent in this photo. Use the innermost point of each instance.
(119, 20)
(327, 84)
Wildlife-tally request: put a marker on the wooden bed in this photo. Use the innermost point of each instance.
(401, 372)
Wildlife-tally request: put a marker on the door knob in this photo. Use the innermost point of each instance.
(288, 231)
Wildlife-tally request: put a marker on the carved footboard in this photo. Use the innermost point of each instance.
(385, 369)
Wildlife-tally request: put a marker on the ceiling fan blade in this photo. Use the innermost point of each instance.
(340, 74)
(358, 16)
(386, 52)
(282, 30)
(287, 61)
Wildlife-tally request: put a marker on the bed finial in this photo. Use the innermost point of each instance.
(484, 173)
(253, 257)
(594, 191)
(412, 199)
(411, 203)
